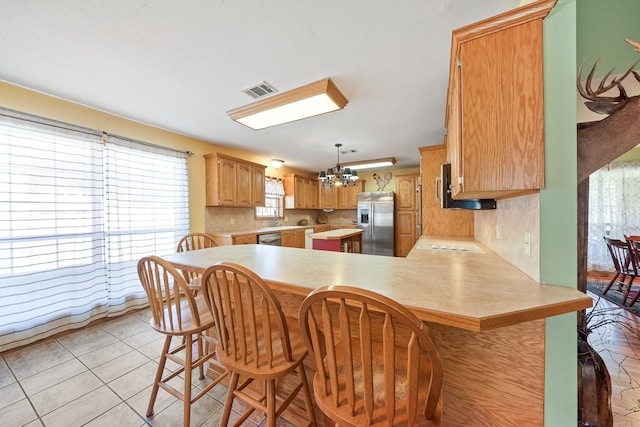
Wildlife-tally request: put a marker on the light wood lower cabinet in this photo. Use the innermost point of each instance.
(293, 238)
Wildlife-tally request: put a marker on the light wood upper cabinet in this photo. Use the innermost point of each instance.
(495, 116)
(233, 182)
(301, 192)
(437, 221)
(341, 197)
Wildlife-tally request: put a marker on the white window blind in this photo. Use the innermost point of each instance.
(75, 216)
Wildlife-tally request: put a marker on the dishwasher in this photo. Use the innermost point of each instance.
(272, 239)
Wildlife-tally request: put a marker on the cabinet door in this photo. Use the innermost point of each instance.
(352, 202)
(298, 238)
(287, 239)
(327, 197)
(226, 182)
(313, 194)
(243, 183)
(257, 186)
(406, 198)
(342, 197)
(405, 231)
(502, 112)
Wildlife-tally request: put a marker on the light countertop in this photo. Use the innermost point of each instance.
(466, 289)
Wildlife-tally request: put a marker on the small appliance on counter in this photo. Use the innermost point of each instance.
(303, 222)
(322, 218)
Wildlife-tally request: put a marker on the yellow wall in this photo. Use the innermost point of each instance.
(27, 101)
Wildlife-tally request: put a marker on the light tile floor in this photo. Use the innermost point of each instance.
(98, 376)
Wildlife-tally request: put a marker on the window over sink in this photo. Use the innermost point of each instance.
(273, 199)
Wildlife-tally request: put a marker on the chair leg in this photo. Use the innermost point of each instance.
(158, 378)
(611, 282)
(271, 403)
(201, 354)
(233, 384)
(635, 298)
(307, 394)
(627, 289)
(188, 361)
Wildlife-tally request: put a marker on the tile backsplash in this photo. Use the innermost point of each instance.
(504, 228)
(222, 219)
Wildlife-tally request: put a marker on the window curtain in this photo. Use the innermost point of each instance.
(614, 209)
(77, 210)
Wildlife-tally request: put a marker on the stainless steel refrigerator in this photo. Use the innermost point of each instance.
(375, 217)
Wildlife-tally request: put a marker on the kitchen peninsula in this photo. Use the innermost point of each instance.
(486, 316)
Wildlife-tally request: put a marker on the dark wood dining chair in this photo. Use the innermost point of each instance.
(176, 313)
(375, 361)
(634, 266)
(256, 342)
(620, 257)
(192, 242)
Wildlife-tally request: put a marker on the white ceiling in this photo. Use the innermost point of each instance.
(180, 65)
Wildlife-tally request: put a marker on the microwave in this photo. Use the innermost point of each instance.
(443, 194)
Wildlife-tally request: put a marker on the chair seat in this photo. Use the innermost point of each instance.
(279, 366)
(188, 325)
(342, 412)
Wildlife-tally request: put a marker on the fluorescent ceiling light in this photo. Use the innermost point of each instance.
(300, 103)
(370, 164)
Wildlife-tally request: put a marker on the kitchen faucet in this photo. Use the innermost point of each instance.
(275, 219)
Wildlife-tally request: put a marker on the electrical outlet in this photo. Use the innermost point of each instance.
(527, 243)
(232, 220)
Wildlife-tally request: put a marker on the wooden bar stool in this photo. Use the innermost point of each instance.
(376, 364)
(255, 341)
(176, 313)
(192, 242)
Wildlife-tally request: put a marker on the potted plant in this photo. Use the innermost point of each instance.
(594, 381)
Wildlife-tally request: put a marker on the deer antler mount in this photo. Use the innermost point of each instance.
(603, 141)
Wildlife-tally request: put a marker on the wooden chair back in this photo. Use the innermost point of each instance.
(192, 242)
(250, 325)
(375, 361)
(619, 252)
(173, 306)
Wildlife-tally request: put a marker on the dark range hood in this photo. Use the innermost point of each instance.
(449, 203)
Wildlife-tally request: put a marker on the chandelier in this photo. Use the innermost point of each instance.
(338, 175)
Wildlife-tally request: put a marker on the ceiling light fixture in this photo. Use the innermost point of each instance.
(370, 164)
(338, 175)
(277, 163)
(307, 101)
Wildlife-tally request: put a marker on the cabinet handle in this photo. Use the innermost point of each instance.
(438, 188)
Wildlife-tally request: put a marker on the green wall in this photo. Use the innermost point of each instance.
(602, 26)
(558, 208)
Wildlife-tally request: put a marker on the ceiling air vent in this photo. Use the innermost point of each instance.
(260, 90)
